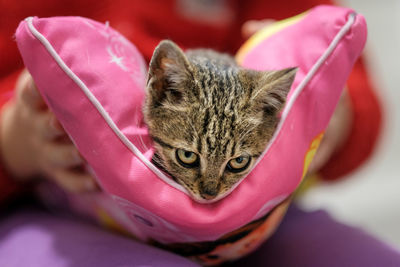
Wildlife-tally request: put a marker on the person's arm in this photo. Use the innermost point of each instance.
(353, 131)
(33, 144)
(364, 130)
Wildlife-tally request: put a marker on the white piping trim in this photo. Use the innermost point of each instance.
(343, 31)
(99, 107)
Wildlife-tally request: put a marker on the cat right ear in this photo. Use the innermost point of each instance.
(168, 68)
(273, 89)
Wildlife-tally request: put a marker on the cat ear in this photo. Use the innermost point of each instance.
(273, 88)
(168, 68)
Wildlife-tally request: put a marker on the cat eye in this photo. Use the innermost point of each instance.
(186, 158)
(238, 164)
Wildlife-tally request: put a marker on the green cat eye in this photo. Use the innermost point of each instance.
(186, 158)
(238, 164)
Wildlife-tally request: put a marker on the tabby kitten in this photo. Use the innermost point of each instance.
(209, 118)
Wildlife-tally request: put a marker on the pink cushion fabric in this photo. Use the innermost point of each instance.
(94, 80)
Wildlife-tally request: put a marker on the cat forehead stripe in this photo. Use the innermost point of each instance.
(47, 45)
(216, 124)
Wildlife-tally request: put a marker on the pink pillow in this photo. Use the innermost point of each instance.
(94, 81)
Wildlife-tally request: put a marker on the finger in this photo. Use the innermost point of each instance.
(252, 26)
(61, 155)
(22, 80)
(321, 156)
(336, 134)
(28, 93)
(74, 182)
(56, 126)
(48, 126)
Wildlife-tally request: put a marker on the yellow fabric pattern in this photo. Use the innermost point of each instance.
(265, 33)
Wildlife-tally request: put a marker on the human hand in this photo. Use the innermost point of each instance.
(34, 144)
(336, 133)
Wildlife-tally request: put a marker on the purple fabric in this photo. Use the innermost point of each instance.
(35, 238)
(314, 239)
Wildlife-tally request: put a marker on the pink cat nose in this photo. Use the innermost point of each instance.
(207, 196)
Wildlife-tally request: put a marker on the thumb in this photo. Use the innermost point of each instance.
(28, 93)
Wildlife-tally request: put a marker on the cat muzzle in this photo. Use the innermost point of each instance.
(209, 190)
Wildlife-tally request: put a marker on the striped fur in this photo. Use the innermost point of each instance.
(203, 102)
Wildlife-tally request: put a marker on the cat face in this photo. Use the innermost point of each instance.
(210, 119)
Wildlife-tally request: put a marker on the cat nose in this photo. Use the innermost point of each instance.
(208, 195)
(208, 191)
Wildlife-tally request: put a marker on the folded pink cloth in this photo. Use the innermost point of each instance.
(93, 79)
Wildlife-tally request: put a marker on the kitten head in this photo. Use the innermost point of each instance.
(210, 119)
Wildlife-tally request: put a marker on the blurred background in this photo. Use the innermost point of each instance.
(370, 197)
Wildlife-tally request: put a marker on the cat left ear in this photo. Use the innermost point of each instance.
(168, 67)
(273, 88)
